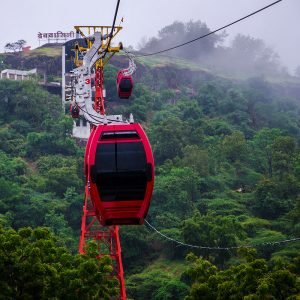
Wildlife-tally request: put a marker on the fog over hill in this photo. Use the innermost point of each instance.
(145, 18)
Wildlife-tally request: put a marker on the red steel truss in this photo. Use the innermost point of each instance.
(107, 239)
(99, 98)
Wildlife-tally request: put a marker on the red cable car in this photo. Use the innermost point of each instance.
(74, 110)
(119, 168)
(124, 85)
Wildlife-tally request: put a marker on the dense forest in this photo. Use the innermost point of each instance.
(227, 175)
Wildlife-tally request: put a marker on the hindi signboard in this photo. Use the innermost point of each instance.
(55, 36)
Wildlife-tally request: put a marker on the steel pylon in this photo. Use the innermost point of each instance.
(107, 239)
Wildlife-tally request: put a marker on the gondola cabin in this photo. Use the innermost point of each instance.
(74, 110)
(119, 167)
(124, 85)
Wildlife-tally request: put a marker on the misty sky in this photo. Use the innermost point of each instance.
(278, 26)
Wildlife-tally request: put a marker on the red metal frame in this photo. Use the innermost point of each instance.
(99, 98)
(119, 212)
(107, 239)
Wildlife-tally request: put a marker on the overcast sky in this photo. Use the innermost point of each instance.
(279, 26)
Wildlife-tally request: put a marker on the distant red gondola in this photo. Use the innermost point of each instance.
(124, 85)
(74, 110)
(119, 168)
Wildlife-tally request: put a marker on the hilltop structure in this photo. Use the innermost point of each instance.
(17, 74)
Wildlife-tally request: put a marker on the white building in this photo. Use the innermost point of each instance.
(17, 74)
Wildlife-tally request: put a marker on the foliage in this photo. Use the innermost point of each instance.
(135, 247)
(212, 52)
(260, 58)
(179, 32)
(2, 62)
(253, 279)
(24, 100)
(15, 46)
(156, 285)
(34, 266)
(212, 231)
(227, 174)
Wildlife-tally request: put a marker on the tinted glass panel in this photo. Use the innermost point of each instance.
(121, 171)
(125, 85)
(132, 186)
(106, 185)
(119, 135)
(126, 134)
(131, 157)
(106, 158)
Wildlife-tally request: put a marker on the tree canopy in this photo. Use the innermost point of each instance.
(227, 174)
(35, 266)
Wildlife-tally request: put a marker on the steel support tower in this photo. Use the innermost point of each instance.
(107, 238)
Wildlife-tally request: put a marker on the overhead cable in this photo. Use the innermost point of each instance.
(273, 243)
(95, 118)
(211, 32)
(113, 27)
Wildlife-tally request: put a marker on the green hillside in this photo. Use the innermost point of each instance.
(47, 51)
(227, 175)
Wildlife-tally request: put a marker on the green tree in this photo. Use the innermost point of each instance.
(209, 97)
(15, 46)
(176, 192)
(234, 147)
(155, 285)
(179, 32)
(168, 139)
(267, 202)
(197, 159)
(212, 231)
(35, 267)
(253, 279)
(2, 62)
(284, 149)
(261, 59)
(262, 146)
(60, 179)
